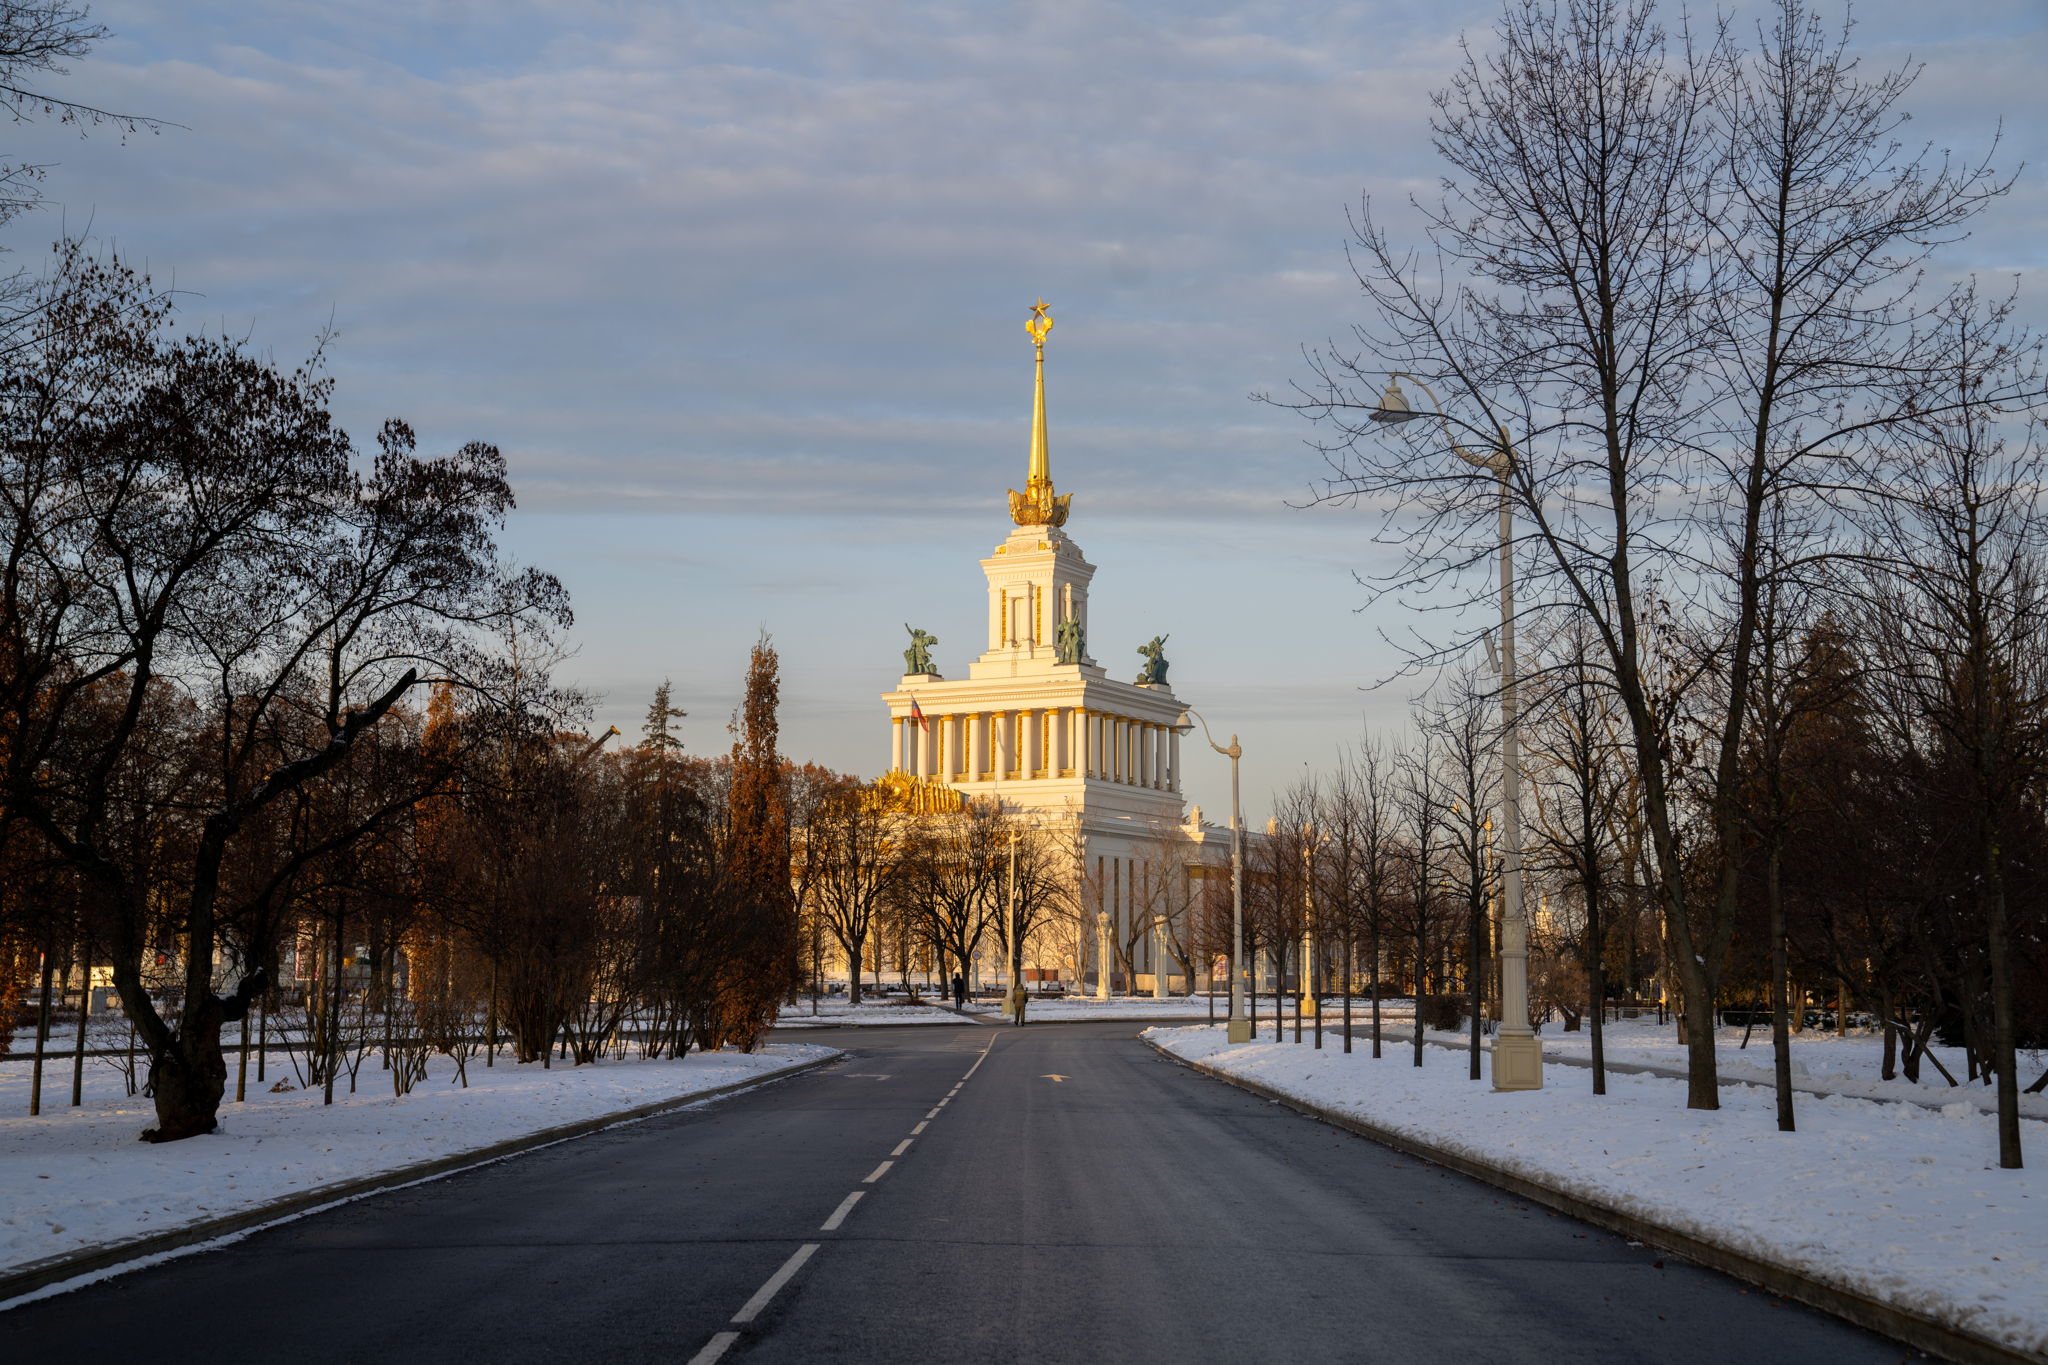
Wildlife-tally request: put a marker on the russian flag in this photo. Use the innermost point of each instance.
(917, 714)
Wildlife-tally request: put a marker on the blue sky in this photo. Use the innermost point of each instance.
(739, 289)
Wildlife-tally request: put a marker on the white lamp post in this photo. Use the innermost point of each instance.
(1240, 1027)
(1517, 1057)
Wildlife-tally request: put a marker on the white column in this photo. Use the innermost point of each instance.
(977, 746)
(1160, 735)
(1028, 743)
(925, 746)
(895, 744)
(1173, 760)
(1148, 745)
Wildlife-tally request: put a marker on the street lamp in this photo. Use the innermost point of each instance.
(1240, 1027)
(1517, 1057)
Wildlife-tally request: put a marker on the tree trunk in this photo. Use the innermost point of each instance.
(1696, 1027)
(1350, 980)
(1375, 928)
(1596, 978)
(1781, 1041)
(1478, 941)
(35, 1089)
(1890, 1066)
(190, 1076)
(2004, 1056)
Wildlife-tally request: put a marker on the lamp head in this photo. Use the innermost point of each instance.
(1394, 406)
(1184, 723)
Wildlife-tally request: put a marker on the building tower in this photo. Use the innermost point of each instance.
(1038, 724)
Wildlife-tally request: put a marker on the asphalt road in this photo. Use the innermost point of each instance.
(1051, 1194)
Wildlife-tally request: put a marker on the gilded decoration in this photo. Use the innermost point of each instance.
(1038, 505)
(907, 794)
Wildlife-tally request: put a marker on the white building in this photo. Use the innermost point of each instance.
(1039, 724)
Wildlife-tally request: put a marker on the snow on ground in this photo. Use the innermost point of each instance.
(1068, 1009)
(867, 1014)
(1073, 1008)
(1820, 1060)
(77, 1178)
(1895, 1201)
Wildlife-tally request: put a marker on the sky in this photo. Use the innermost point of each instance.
(739, 289)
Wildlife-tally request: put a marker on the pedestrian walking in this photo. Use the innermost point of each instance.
(1017, 999)
(959, 991)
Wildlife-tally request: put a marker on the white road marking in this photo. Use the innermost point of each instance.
(934, 1114)
(920, 1128)
(877, 1173)
(901, 1147)
(839, 1214)
(753, 1306)
(714, 1348)
(978, 1061)
(1048, 1076)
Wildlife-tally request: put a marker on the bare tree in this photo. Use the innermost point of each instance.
(1677, 305)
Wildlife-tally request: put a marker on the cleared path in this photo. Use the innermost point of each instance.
(942, 1196)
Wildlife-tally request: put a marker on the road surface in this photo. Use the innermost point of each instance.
(1052, 1194)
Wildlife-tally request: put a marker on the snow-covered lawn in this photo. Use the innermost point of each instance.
(77, 1178)
(1820, 1060)
(1894, 1201)
(867, 1014)
(838, 1014)
(1079, 1007)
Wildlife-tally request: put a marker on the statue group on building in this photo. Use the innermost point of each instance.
(1154, 670)
(1069, 641)
(918, 658)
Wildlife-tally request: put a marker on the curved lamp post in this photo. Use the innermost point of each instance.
(1517, 1057)
(1240, 1026)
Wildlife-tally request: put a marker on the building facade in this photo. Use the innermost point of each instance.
(1042, 727)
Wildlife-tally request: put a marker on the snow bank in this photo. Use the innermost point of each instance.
(1897, 1202)
(77, 1178)
(839, 1014)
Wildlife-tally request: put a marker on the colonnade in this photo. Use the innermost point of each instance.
(1018, 745)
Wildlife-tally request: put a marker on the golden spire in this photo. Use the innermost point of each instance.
(1037, 505)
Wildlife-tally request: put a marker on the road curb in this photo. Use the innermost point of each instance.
(41, 1274)
(1914, 1329)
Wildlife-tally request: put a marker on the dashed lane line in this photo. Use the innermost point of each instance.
(839, 1214)
(718, 1345)
(752, 1308)
(721, 1342)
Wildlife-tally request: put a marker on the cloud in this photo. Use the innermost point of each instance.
(748, 281)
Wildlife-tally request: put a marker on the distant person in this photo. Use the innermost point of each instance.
(1017, 998)
(959, 991)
